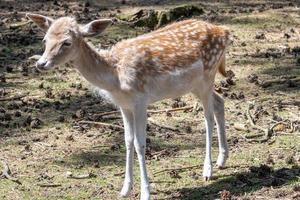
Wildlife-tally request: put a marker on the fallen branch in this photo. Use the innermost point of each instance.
(176, 169)
(6, 173)
(252, 122)
(49, 184)
(14, 97)
(268, 132)
(293, 103)
(268, 83)
(101, 124)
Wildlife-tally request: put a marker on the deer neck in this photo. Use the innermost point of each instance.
(95, 68)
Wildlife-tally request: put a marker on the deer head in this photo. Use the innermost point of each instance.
(63, 37)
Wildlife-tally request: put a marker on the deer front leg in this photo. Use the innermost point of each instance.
(129, 138)
(140, 122)
(207, 101)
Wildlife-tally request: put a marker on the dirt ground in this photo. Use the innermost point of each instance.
(52, 155)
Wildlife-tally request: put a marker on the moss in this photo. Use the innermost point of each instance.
(155, 19)
(149, 21)
(184, 11)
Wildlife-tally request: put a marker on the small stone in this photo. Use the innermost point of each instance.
(252, 78)
(260, 36)
(80, 113)
(35, 123)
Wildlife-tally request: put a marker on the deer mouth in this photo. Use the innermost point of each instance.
(45, 66)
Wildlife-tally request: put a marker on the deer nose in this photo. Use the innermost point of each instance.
(40, 64)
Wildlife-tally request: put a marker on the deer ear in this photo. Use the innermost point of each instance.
(95, 27)
(43, 22)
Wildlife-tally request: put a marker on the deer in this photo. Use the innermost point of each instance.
(180, 58)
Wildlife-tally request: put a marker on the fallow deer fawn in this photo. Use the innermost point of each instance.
(169, 62)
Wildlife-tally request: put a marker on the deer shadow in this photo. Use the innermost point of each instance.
(238, 184)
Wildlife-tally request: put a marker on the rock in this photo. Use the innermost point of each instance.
(35, 123)
(80, 113)
(260, 36)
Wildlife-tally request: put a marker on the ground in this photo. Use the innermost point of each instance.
(47, 148)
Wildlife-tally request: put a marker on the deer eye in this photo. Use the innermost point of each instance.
(66, 43)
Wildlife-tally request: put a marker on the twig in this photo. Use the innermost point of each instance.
(170, 110)
(252, 122)
(6, 173)
(163, 126)
(101, 124)
(119, 174)
(80, 176)
(176, 169)
(49, 184)
(149, 111)
(14, 97)
(106, 113)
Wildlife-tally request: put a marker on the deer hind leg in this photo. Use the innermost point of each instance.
(140, 122)
(206, 97)
(220, 120)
